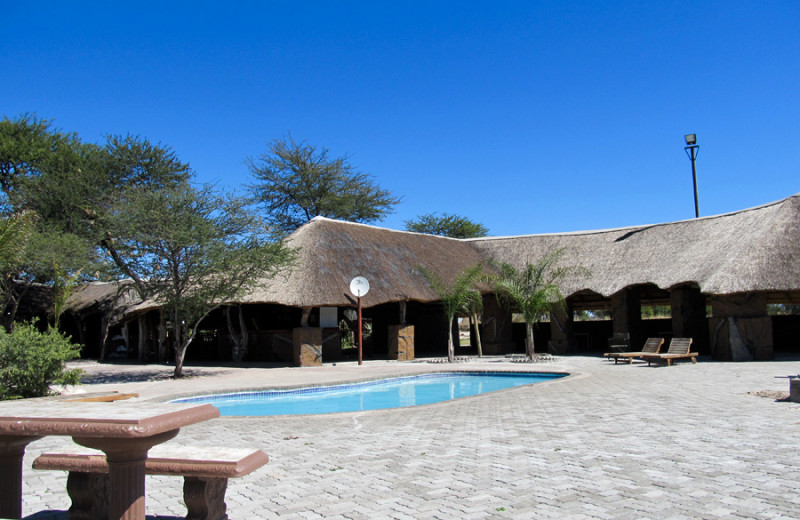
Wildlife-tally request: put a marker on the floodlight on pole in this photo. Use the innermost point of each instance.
(691, 149)
(359, 286)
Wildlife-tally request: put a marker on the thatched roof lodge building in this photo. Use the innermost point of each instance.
(723, 280)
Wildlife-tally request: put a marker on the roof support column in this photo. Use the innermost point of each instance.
(740, 328)
(560, 330)
(496, 339)
(142, 340)
(688, 309)
(305, 316)
(626, 313)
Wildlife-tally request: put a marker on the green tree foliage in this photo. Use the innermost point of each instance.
(71, 187)
(453, 226)
(68, 183)
(190, 251)
(30, 147)
(533, 291)
(298, 182)
(458, 297)
(15, 233)
(31, 361)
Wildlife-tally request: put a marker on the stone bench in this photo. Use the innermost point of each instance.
(205, 470)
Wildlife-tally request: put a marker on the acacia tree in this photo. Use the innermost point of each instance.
(533, 290)
(15, 232)
(190, 251)
(30, 361)
(448, 225)
(298, 182)
(30, 147)
(457, 298)
(70, 186)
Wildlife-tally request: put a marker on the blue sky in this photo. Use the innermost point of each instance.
(528, 117)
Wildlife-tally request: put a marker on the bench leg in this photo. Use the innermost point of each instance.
(89, 494)
(205, 498)
(12, 450)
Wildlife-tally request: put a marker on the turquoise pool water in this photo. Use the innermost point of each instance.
(371, 395)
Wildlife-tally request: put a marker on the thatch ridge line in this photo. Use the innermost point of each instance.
(372, 226)
(634, 228)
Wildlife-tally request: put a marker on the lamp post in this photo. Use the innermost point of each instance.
(691, 150)
(359, 286)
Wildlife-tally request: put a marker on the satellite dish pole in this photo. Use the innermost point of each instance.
(359, 286)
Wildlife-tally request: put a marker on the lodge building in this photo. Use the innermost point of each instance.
(728, 281)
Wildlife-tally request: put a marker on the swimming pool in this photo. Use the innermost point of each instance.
(395, 392)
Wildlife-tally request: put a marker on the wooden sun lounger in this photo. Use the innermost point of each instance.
(651, 346)
(678, 349)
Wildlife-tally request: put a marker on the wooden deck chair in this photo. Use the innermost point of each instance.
(651, 346)
(678, 349)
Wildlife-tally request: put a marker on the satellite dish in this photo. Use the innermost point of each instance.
(359, 286)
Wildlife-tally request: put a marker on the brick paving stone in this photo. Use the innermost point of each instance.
(609, 442)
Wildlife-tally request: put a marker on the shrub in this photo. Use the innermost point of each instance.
(31, 361)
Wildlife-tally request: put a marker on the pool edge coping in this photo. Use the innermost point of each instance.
(169, 398)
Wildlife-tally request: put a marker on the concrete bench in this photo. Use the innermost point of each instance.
(205, 470)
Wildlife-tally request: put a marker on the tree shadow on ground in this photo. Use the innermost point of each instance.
(113, 374)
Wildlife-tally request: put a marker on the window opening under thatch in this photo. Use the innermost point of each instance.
(348, 327)
(592, 315)
(783, 309)
(656, 312)
(517, 317)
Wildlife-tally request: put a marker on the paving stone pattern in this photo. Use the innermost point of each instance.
(609, 442)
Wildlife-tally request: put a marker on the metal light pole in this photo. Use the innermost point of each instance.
(359, 286)
(691, 150)
(360, 334)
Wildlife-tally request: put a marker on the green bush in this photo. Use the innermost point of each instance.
(31, 361)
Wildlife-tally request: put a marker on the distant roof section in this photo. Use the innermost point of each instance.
(332, 252)
(756, 249)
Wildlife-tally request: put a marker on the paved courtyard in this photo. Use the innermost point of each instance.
(609, 442)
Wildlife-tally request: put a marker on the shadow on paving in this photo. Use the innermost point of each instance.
(113, 373)
(131, 372)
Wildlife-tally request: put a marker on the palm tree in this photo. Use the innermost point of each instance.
(474, 307)
(457, 298)
(532, 291)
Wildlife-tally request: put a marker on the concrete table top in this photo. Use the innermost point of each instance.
(125, 431)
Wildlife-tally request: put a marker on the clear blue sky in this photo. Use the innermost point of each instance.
(528, 117)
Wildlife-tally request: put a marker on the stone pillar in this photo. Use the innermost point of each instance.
(126, 470)
(688, 308)
(740, 329)
(496, 328)
(401, 342)
(12, 450)
(794, 389)
(560, 331)
(307, 346)
(205, 497)
(626, 313)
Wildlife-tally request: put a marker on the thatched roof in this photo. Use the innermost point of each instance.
(101, 296)
(756, 249)
(750, 250)
(331, 253)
